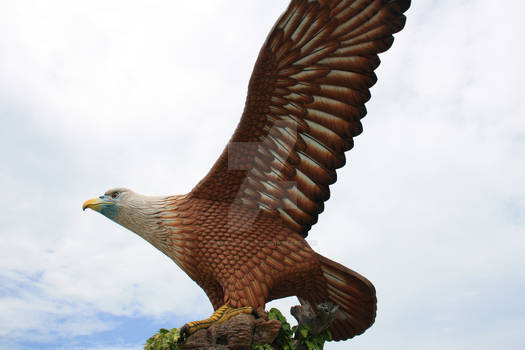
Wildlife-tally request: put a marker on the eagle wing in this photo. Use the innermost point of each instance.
(305, 100)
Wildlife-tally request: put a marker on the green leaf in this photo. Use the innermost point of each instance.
(304, 332)
(275, 314)
(164, 340)
(309, 345)
(284, 338)
(310, 341)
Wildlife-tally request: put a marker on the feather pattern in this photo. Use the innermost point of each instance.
(240, 233)
(305, 100)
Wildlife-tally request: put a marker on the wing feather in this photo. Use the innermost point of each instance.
(305, 101)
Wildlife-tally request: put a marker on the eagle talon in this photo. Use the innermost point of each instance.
(222, 314)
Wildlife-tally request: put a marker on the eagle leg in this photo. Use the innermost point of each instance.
(222, 314)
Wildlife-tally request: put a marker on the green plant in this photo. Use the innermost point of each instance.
(164, 340)
(309, 340)
(284, 338)
(297, 336)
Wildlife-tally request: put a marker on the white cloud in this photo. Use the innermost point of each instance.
(429, 207)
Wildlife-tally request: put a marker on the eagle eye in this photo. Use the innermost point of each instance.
(115, 195)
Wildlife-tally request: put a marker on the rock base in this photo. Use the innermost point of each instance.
(239, 333)
(243, 331)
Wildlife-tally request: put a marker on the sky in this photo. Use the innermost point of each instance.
(430, 206)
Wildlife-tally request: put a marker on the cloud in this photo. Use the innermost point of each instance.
(429, 207)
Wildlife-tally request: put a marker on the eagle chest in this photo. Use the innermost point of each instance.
(235, 243)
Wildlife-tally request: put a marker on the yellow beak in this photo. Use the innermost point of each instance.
(94, 204)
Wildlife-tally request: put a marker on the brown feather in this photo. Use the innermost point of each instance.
(240, 232)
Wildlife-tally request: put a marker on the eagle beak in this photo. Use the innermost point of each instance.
(94, 204)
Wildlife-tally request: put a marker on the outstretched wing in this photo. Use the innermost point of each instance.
(305, 100)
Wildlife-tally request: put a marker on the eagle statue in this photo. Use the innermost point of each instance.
(240, 233)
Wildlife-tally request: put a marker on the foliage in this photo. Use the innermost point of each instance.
(164, 340)
(297, 337)
(309, 340)
(284, 338)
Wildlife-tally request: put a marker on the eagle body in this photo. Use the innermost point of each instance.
(242, 263)
(240, 233)
(239, 264)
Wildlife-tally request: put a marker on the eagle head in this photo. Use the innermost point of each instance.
(138, 213)
(113, 204)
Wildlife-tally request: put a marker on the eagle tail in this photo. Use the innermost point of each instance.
(354, 295)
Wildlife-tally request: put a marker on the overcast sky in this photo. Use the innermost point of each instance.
(97, 94)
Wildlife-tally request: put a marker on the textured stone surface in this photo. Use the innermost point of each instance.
(266, 331)
(239, 333)
(318, 320)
